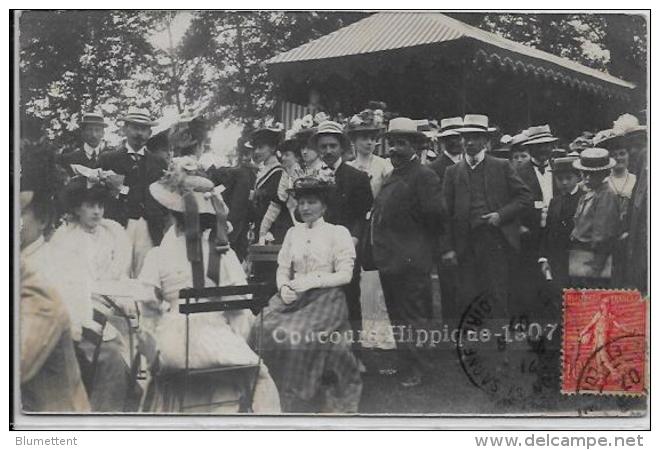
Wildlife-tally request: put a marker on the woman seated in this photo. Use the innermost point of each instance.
(89, 252)
(216, 338)
(306, 323)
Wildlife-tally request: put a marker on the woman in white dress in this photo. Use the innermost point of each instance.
(216, 338)
(305, 326)
(364, 131)
(89, 253)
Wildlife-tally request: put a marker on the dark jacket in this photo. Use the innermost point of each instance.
(351, 200)
(506, 194)
(440, 167)
(138, 202)
(408, 215)
(78, 156)
(531, 216)
(238, 182)
(555, 240)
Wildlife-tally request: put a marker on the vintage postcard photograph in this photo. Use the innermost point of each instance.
(301, 214)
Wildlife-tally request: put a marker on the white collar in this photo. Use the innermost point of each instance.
(454, 158)
(575, 189)
(337, 163)
(91, 151)
(317, 223)
(130, 150)
(476, 158)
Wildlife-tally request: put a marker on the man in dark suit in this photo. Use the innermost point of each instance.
(451, 149)
(238, 182)
(348, 204)
(135, 208)
(92, 130)
(485, 198)
(537, 175)
(407, 220)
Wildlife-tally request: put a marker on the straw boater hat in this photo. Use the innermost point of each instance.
(93, 118)
(475, 123)
(594, 160)
(539, 135)
(403, 126)
(449, 127)
(139, 116)
(330, 128)
(184, 176)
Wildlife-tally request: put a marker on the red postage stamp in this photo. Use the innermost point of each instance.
(604, 342)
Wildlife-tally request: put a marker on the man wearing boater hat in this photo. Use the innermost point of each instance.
(92, 130)
(537, 175)
(135, 208)
(407, 218)
(452, 152)
(485, 197)
(348, 204)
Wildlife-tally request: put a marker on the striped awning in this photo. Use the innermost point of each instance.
(386, 31)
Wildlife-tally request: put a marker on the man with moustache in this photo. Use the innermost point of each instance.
(484, 198)
(348, 204)
(135, 208)
(407, 218)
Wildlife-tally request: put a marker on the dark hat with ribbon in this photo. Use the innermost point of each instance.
(272, 135)
(318, 185)
(564, 164)
(594, 160)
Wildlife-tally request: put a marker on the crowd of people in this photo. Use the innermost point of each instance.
(364, 213)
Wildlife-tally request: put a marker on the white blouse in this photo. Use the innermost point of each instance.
(321, 253)
(377, 168)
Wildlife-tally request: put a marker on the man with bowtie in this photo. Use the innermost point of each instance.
(537, 175)
(92, 130)
(135, 208)
(485, 198)
(348, 204)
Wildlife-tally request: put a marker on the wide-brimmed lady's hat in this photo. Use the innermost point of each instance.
(184, 176)
(475, 123)
(609, 139)
(330, 128)
(93, 118)
(367, 121)
(594, 160)
(628, 125)
(539, 135)
(403, 126)
(450, 126)
(316, 185)
(268, 134)
(139, 116)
